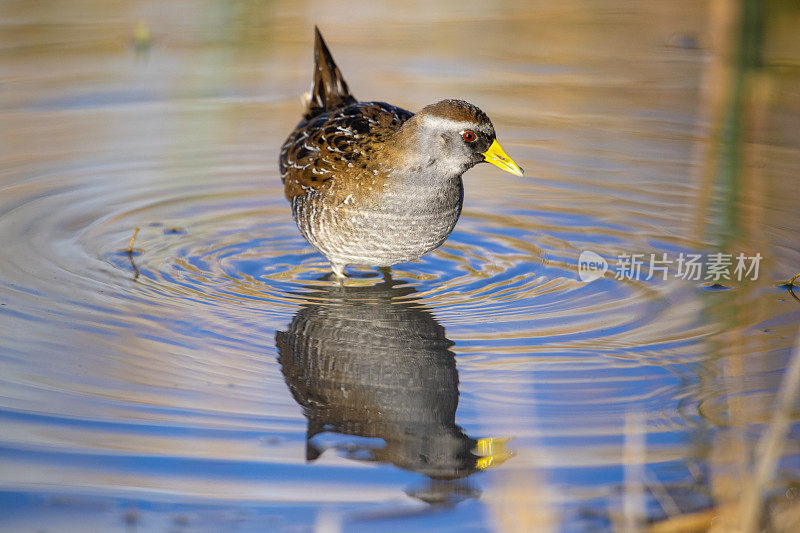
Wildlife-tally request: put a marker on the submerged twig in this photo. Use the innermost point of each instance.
(129, 251)
(661, 494)
(790, 285)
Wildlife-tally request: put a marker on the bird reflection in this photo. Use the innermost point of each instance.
(370, 361)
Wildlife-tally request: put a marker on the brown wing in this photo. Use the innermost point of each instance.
(336, 145)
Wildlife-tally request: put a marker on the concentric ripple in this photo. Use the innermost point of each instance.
(236, 250)
(221, 251)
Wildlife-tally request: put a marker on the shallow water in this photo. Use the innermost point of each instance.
(215, 379)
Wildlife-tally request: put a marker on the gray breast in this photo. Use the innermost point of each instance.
(399, 224)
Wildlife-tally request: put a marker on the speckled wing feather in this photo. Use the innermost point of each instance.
(342, 142)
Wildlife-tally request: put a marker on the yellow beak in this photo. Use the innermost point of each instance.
(496, 156)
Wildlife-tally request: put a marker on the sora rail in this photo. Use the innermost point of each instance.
(373, 184)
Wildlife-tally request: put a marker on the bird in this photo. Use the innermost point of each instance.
(373, 184)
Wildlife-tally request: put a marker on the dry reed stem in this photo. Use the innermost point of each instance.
(770, 446)
(133, 239)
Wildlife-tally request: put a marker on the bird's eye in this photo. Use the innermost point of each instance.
(469, 136)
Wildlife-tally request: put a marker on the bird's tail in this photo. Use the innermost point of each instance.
(330, 91)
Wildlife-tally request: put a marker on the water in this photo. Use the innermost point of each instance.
(214, 379)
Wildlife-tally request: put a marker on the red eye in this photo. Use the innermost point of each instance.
(469, 136)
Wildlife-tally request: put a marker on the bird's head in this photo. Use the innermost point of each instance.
(456, 135)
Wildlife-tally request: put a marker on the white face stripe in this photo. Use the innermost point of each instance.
(448, 123)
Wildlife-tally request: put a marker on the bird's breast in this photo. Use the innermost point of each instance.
(398, 223)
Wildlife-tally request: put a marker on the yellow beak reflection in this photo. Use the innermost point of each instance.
(492, 451)
(496, 156)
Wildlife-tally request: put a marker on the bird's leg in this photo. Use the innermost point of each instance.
(338, 269)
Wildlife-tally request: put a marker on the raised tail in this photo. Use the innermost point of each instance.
(330, 90)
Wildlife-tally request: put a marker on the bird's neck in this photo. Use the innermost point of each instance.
(417, 160)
